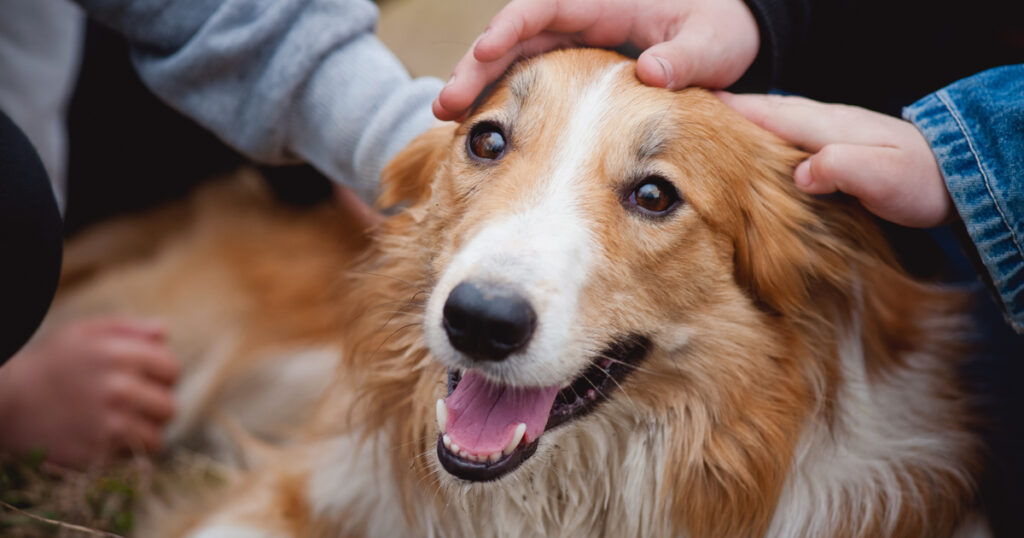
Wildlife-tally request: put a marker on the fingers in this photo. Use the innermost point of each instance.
(149, 358)
(882, 161)
(515, 23)
(813, 125)
(150, 328)
(154, 402)
(365, 216)
(674, 64)
(468, 80)
(525, 28)
(710, 43)
(471, 75)
(136, 395)
(137, 409)
(144, 437)
(132, 434)
(878, 176)
(846, 167)
(132, 344)
(523, 20)
(711, 49)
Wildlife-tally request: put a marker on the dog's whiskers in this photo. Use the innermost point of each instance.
(392, 335)
(617, 384)
(391, 277)
(393, 314)
(637, 367)
(405, 303)
(403, 310)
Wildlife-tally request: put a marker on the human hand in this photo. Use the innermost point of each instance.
(705, 42)
(89, 390)
(363, 216)
(884, 162)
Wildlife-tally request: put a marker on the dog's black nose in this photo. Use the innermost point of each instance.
(488, 323)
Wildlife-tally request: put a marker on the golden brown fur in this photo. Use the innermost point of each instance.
(800, 383)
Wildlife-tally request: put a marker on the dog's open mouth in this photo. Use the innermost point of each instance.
(488, 430)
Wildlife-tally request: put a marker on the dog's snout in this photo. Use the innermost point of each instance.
(488, 323)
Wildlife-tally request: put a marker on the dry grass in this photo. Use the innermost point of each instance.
(38, 499)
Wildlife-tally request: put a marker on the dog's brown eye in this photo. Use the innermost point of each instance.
(654, 195)
(486, 141)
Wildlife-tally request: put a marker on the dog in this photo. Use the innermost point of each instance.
(604, 310)
(217, 269)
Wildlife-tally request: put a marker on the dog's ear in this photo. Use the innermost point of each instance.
(782, 246)
(819, 257)
(407, 178)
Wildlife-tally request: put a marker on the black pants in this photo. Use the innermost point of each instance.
(30, 239)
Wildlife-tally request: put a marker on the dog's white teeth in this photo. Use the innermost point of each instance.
(468, 456)
(454, 448)
(442, 416)
(516, 437)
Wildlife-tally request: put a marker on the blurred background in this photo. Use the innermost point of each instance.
(430, 36)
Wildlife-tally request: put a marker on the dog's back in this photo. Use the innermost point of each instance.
(250, 290)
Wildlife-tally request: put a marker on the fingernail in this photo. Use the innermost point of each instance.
(481, 36)
(475, 47)
(451, 80)
(802, 174)
(667, 69)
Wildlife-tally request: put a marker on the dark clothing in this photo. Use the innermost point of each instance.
(30, 239)
(882, 54)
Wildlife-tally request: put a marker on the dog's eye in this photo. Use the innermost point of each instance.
(486, 141)
(654, 195)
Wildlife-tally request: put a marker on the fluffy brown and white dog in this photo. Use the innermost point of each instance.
(606, 311)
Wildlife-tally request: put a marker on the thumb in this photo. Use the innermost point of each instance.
(712, 49)
(673, 64)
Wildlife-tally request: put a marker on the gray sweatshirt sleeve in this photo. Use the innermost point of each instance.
(280, 80)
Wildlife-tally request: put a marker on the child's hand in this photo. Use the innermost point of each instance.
(363, 216)
(705, 42)
(89, 390)
(883, 161)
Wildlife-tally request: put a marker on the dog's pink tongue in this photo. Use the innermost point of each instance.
(482, 416)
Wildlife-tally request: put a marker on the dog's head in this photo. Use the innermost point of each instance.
(600, 254)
